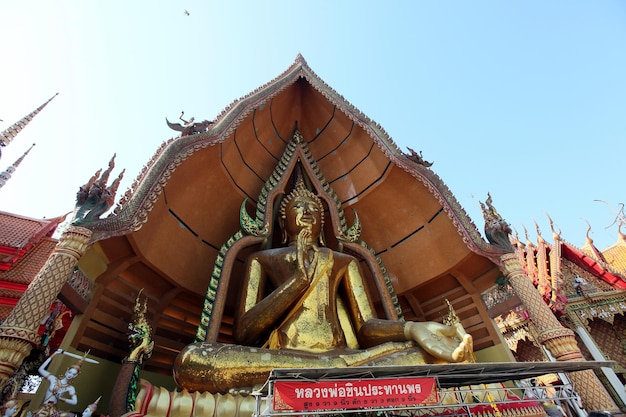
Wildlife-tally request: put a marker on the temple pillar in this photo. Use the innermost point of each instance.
(597, 354)
(18, 333)
(558, 340)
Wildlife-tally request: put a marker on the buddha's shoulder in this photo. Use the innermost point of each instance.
(272, 253)
(342, 257)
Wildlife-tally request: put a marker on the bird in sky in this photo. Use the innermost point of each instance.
(186, 13)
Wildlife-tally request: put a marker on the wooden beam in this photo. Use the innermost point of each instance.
(71, 298)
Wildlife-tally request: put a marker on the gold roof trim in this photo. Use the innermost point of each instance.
(604, 305)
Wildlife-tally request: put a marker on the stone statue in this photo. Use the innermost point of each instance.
(189, 127)
(60, 389)
(307, 306)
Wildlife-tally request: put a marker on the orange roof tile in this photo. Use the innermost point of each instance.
(18, 234)
(615, 255)
(25, 269)
(591, 250)
(18, 231)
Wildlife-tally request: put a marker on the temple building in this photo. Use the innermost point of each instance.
(584, 287)
(190, 236)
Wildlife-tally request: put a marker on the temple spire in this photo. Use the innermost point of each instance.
(6, 175)
(7, 135)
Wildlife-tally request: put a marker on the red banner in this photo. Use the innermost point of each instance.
(354, 394)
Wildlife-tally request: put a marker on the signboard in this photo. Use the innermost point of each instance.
(354, 394)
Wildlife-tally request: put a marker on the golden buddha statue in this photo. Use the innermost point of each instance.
(306, 306)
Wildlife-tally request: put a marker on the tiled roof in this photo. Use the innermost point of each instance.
(592, 251)
(4, 312)
(604, 270)
(19, 231)
(10, 293)
(615, 255)
(28, 266)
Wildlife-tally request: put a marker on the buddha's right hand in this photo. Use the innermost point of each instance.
(303, 245)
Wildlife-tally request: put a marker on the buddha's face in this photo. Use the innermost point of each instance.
(301, 213)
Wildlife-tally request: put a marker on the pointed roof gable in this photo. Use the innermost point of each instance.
(598, 268)
(256, 115)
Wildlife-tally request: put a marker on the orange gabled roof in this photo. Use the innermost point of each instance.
(591, 250)
(18, 234)
(19, 231)
(596, 267)
(26, 268)
(13, 282)
(615, 255)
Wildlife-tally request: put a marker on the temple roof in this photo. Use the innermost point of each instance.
(168, 229)
(18, 231)
(25, 245)
(18, 234)
(14, 282)
(605, 271)
(578, 282)
(615, 255)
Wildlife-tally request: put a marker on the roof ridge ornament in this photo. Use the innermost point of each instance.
(528, 241)
(620, 219)
(95, 198)
(497, 230)
(555, 235)
(540, 238)
(591, 247)
(190, 126)
(587, 236)
(417, 158)
(300, 59)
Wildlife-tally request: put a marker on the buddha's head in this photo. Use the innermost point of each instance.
(301, 209)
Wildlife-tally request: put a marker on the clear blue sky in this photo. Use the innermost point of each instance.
(523, 99)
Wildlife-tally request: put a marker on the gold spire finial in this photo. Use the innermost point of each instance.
(7, 135)
(6, 175)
